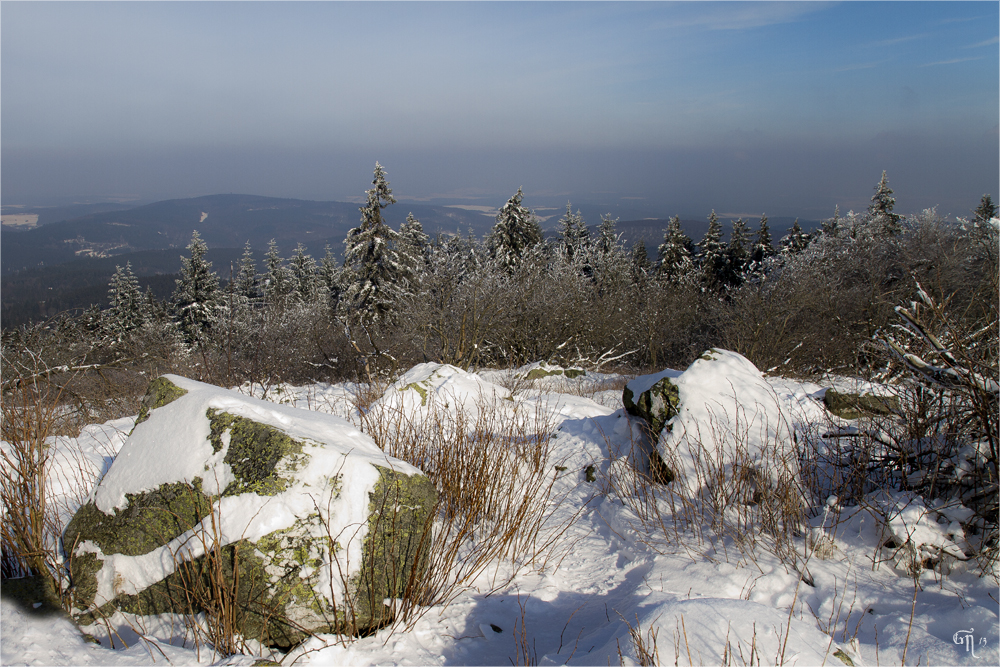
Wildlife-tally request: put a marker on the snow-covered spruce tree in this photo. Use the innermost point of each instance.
(196, 298)
(641, 267)
(305, 282)
(516, 231)
(247, 287)
(795, 241)
(986, 210)
(574, 237)
(607, 235)
(673, 257)
(763, 246)
(277, 281)
(711, 257)
(377, 278)
(882, 220)
(414, 249)
(737, 254)
(831, 226)
(128, 306)
(330, 278)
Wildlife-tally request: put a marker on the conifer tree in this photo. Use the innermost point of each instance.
(986, 210)
(378, 279)
(881, 218)
(674, 254)
(711, 255)
(607, 235)
(574, 237)
(330, 277)
(763, 246)
(737, 254)
(515, 232)
(278, 284)
(832, 226)
(305, 284)
(246, 287)
(196, 298)
(129, 309)
(641, 266)
(414, 248)
(796, 240)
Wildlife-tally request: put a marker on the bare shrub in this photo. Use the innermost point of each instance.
(30, 528)
(495, 486)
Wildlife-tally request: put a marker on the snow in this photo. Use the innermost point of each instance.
(705, 600)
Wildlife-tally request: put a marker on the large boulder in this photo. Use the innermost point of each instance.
(309, 525)
(729, 423)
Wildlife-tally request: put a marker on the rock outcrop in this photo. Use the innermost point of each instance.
(308, 524)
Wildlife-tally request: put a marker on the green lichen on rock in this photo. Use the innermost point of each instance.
(539, 373)
(852, 406)
(420, 389)
(657, 405)
(844, 658)
(149, 521)
(160, 392)
(255, 451)
(397, 544)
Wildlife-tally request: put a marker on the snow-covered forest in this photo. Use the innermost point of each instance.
(743, 450)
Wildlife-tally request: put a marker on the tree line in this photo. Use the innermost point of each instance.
(812, 302)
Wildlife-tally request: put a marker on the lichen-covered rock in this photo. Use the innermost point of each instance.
(852, 406)
(308, 522)
(654, 398)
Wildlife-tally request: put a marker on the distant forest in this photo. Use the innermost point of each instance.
(806, 303)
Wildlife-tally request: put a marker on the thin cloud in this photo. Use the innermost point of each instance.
(950, 62)
(897, 40)
(742, 16)
(852, 68)
(988, 42)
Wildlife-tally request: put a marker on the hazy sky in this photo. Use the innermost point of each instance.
(788, 108)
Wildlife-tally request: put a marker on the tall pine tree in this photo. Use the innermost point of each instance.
(712, 254)
(763, 246)
(278, 283)
(196, 297)
(516, 231)
(880, 216)
(574, 237)
(129, 309)
(737, 254)
(378, 279)
(675, 253)
(305, 283)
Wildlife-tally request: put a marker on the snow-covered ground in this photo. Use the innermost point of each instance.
(697, 597)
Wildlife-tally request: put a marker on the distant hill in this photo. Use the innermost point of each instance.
(223, 221)
(49, 214)
(65, 265)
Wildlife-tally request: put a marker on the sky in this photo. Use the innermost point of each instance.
(678, 108)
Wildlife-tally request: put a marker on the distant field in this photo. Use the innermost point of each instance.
(27, 221)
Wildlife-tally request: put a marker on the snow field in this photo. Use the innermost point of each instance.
(701, 597)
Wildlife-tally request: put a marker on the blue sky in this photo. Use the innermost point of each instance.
(789, 108)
